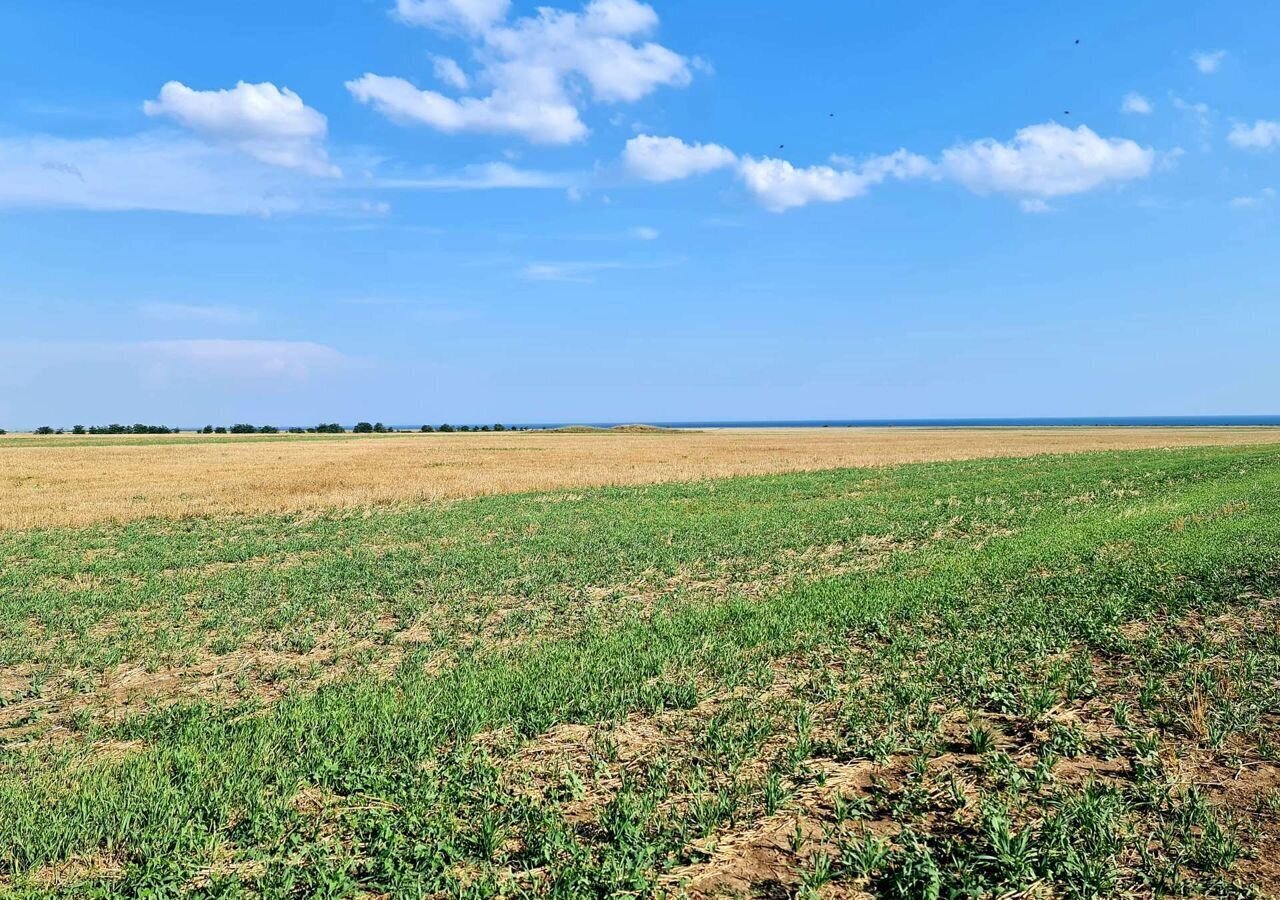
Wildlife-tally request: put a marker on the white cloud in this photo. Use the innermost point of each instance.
(1041, 162)
(1200, 111)
(534, 67)
(292, 360)
(1261, 135)
(1208, 61)
(483, 176)
(546, 120)
(270, 124)
(1048, 160)
(1263, 198)
(585, 272)
(145, 172)
(661, 159)
(472, 14)
(644, 233)
(162, 362)
(209, 315)
(448, 71)
(1035, 206)
(779, 186)
(569, 272)
(1135, 104)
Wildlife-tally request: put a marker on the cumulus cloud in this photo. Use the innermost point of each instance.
(471, 14)
(779, 186)
(661, 159)
(1136, 105)
(270, 124)
(1041, 162)
(540, 70)
(1261, 135)
(1208, 61)
(1046, 161)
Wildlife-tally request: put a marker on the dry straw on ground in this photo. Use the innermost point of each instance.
(103, 480)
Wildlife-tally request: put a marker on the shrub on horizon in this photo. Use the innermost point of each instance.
(363, 428)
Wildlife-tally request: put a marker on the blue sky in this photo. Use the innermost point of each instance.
(467, 210)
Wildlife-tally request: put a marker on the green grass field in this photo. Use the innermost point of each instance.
(1056, 676)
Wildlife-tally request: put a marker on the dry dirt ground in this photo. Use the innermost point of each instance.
(66, 482)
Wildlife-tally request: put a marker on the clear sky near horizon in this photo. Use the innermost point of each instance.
(467, 210)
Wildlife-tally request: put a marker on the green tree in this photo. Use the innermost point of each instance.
(78, 429)
(363, 428)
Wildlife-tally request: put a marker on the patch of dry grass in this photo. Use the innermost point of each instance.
(103, 480)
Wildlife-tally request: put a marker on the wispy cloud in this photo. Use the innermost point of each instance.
(570, 272)
(481, 177)
(162, 362)
(1264, 197)
(151, 171)
(584, 272)
(1208, 61)
(1136, 105)
(186, 312)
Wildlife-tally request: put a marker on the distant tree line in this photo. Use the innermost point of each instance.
(245, 428)
(449, 429)
(110, 429)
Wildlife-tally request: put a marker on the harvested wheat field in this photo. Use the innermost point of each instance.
(81, 480)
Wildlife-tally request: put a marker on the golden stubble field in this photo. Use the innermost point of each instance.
(64, 482)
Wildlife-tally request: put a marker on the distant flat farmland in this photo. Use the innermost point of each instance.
(69, 481)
